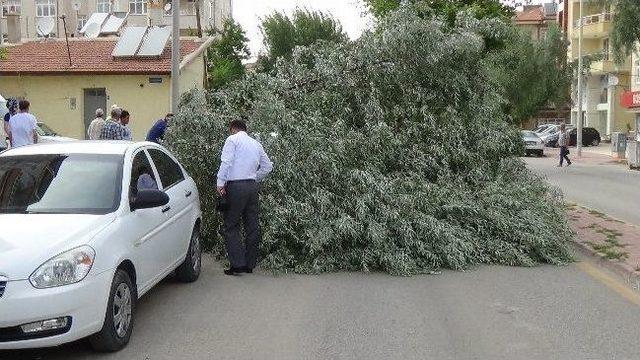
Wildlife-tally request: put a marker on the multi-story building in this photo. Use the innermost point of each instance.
(536, 19)
(212, 13)
(606, 81)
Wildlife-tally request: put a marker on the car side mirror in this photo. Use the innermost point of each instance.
(147, 199)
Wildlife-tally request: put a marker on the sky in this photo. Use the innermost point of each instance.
(350, 13)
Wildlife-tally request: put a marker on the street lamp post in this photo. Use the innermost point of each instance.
(579, 117)
(175, 55)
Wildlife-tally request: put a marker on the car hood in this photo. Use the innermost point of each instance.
(27, 241)
(54, 139)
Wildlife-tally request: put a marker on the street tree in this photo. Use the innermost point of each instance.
(446, 9)
(625, 29)
(392, 153)
(282, 33)
(226, 54)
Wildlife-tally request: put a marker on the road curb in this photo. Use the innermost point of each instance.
(631, 277)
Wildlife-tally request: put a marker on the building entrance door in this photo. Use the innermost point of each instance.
(93, 99)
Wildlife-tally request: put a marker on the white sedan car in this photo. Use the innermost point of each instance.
(87, 228)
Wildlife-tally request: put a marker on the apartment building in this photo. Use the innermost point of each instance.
(606, 81)
(29, 14)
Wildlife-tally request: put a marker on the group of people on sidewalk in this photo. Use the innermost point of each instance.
(115, 126)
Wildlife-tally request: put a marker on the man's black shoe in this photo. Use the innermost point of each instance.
(247, 270)
(232, 271)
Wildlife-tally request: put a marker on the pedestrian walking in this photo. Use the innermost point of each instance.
(244, 163)
(563, 142)
(22, 126)
(156, 133)
(124, 122)
(95, 128)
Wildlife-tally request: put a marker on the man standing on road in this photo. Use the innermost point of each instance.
(95, 128)
(243, 164)
(156, 133)
(563, 142)
(22, 127)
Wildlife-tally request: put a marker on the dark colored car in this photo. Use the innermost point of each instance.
(590, 137)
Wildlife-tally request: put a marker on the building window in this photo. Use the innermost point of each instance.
(45, 8)
(636, 71)
(11, 7)
(103, 6)
(605, 49)
(189, 9)
(82, 21)
(138, 7)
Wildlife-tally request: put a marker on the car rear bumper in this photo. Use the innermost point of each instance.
(84, 304)
(537, 147)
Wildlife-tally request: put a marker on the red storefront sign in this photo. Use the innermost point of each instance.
(630, 99)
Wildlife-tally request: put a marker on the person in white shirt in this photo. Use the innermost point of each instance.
(244, 163)
(22, 127)
(95, 128)
(563, 142)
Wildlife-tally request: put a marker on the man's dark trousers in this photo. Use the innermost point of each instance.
(243, 200)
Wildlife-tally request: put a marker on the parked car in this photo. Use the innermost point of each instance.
(82, 240)
(47, 135)
(590, 137)
(541, 128)
(532, 143)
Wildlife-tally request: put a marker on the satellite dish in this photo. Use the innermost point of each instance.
(92, 30)
(167, 7)
(45, 25)
(76, 5)
(613, 80)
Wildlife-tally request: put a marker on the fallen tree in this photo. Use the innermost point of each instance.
(391, 154)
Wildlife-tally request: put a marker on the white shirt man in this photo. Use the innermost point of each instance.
(95, 128)
(22, 127)
(243, 164)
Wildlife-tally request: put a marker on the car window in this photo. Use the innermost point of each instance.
(169, 171)
(60, 183)
(142, 176)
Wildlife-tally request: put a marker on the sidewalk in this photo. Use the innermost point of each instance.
(594, 155)
(615, 243)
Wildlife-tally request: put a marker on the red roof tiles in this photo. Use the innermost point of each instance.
(530, 14)
(87, 57)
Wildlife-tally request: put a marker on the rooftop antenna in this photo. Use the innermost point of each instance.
(66, 36)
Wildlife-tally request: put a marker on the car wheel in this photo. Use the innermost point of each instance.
(189, 270)
(118, 321)
(595, 142)
(540, 153)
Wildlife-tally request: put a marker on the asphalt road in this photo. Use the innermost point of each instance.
(607, 187)
(490, 312)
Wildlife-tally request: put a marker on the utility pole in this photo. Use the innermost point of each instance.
(175, 55)
(579, 119)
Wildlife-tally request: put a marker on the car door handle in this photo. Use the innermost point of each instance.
(164, 210)
(187, 194)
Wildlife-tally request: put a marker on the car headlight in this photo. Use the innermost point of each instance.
(67, 268)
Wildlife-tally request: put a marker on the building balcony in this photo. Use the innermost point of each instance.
(595, 26)
(606, 66)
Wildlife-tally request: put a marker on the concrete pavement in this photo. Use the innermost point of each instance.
(596, 181)
(492, 312)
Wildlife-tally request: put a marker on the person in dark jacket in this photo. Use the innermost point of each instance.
(156, 133)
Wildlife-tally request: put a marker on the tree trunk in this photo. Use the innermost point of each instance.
(198, 24)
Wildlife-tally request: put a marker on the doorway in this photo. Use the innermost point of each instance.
(93, 99)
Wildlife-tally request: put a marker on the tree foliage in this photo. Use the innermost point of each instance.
(282, 33)
(625, 29)
(531, 74)
(391, 154)
(446, 9)
(225, 55)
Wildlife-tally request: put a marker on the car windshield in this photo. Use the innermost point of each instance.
(529, 134)
(60, 183)
(44, 130)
